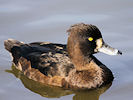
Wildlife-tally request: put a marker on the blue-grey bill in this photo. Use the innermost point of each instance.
(109, 50)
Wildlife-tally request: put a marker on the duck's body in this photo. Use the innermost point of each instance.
(49, 58)
(49, 63)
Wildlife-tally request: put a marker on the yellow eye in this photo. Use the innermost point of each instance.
(90, 39)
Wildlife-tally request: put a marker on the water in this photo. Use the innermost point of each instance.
(48, 20)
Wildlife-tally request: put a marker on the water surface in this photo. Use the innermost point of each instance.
(48, 20)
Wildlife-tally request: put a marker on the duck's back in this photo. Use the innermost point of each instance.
(49, 58)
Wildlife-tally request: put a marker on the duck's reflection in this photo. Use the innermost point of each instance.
(56, 92)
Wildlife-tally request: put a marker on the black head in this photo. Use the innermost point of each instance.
(86, 38)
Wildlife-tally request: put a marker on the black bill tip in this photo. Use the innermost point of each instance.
(119, 52)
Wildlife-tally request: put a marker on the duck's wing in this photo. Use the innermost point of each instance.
(49, 47)
(50, 59)
(40, 48)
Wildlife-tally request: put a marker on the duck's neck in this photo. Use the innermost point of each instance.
(80, 61)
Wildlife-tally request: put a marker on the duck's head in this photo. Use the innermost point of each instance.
(88, 40)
